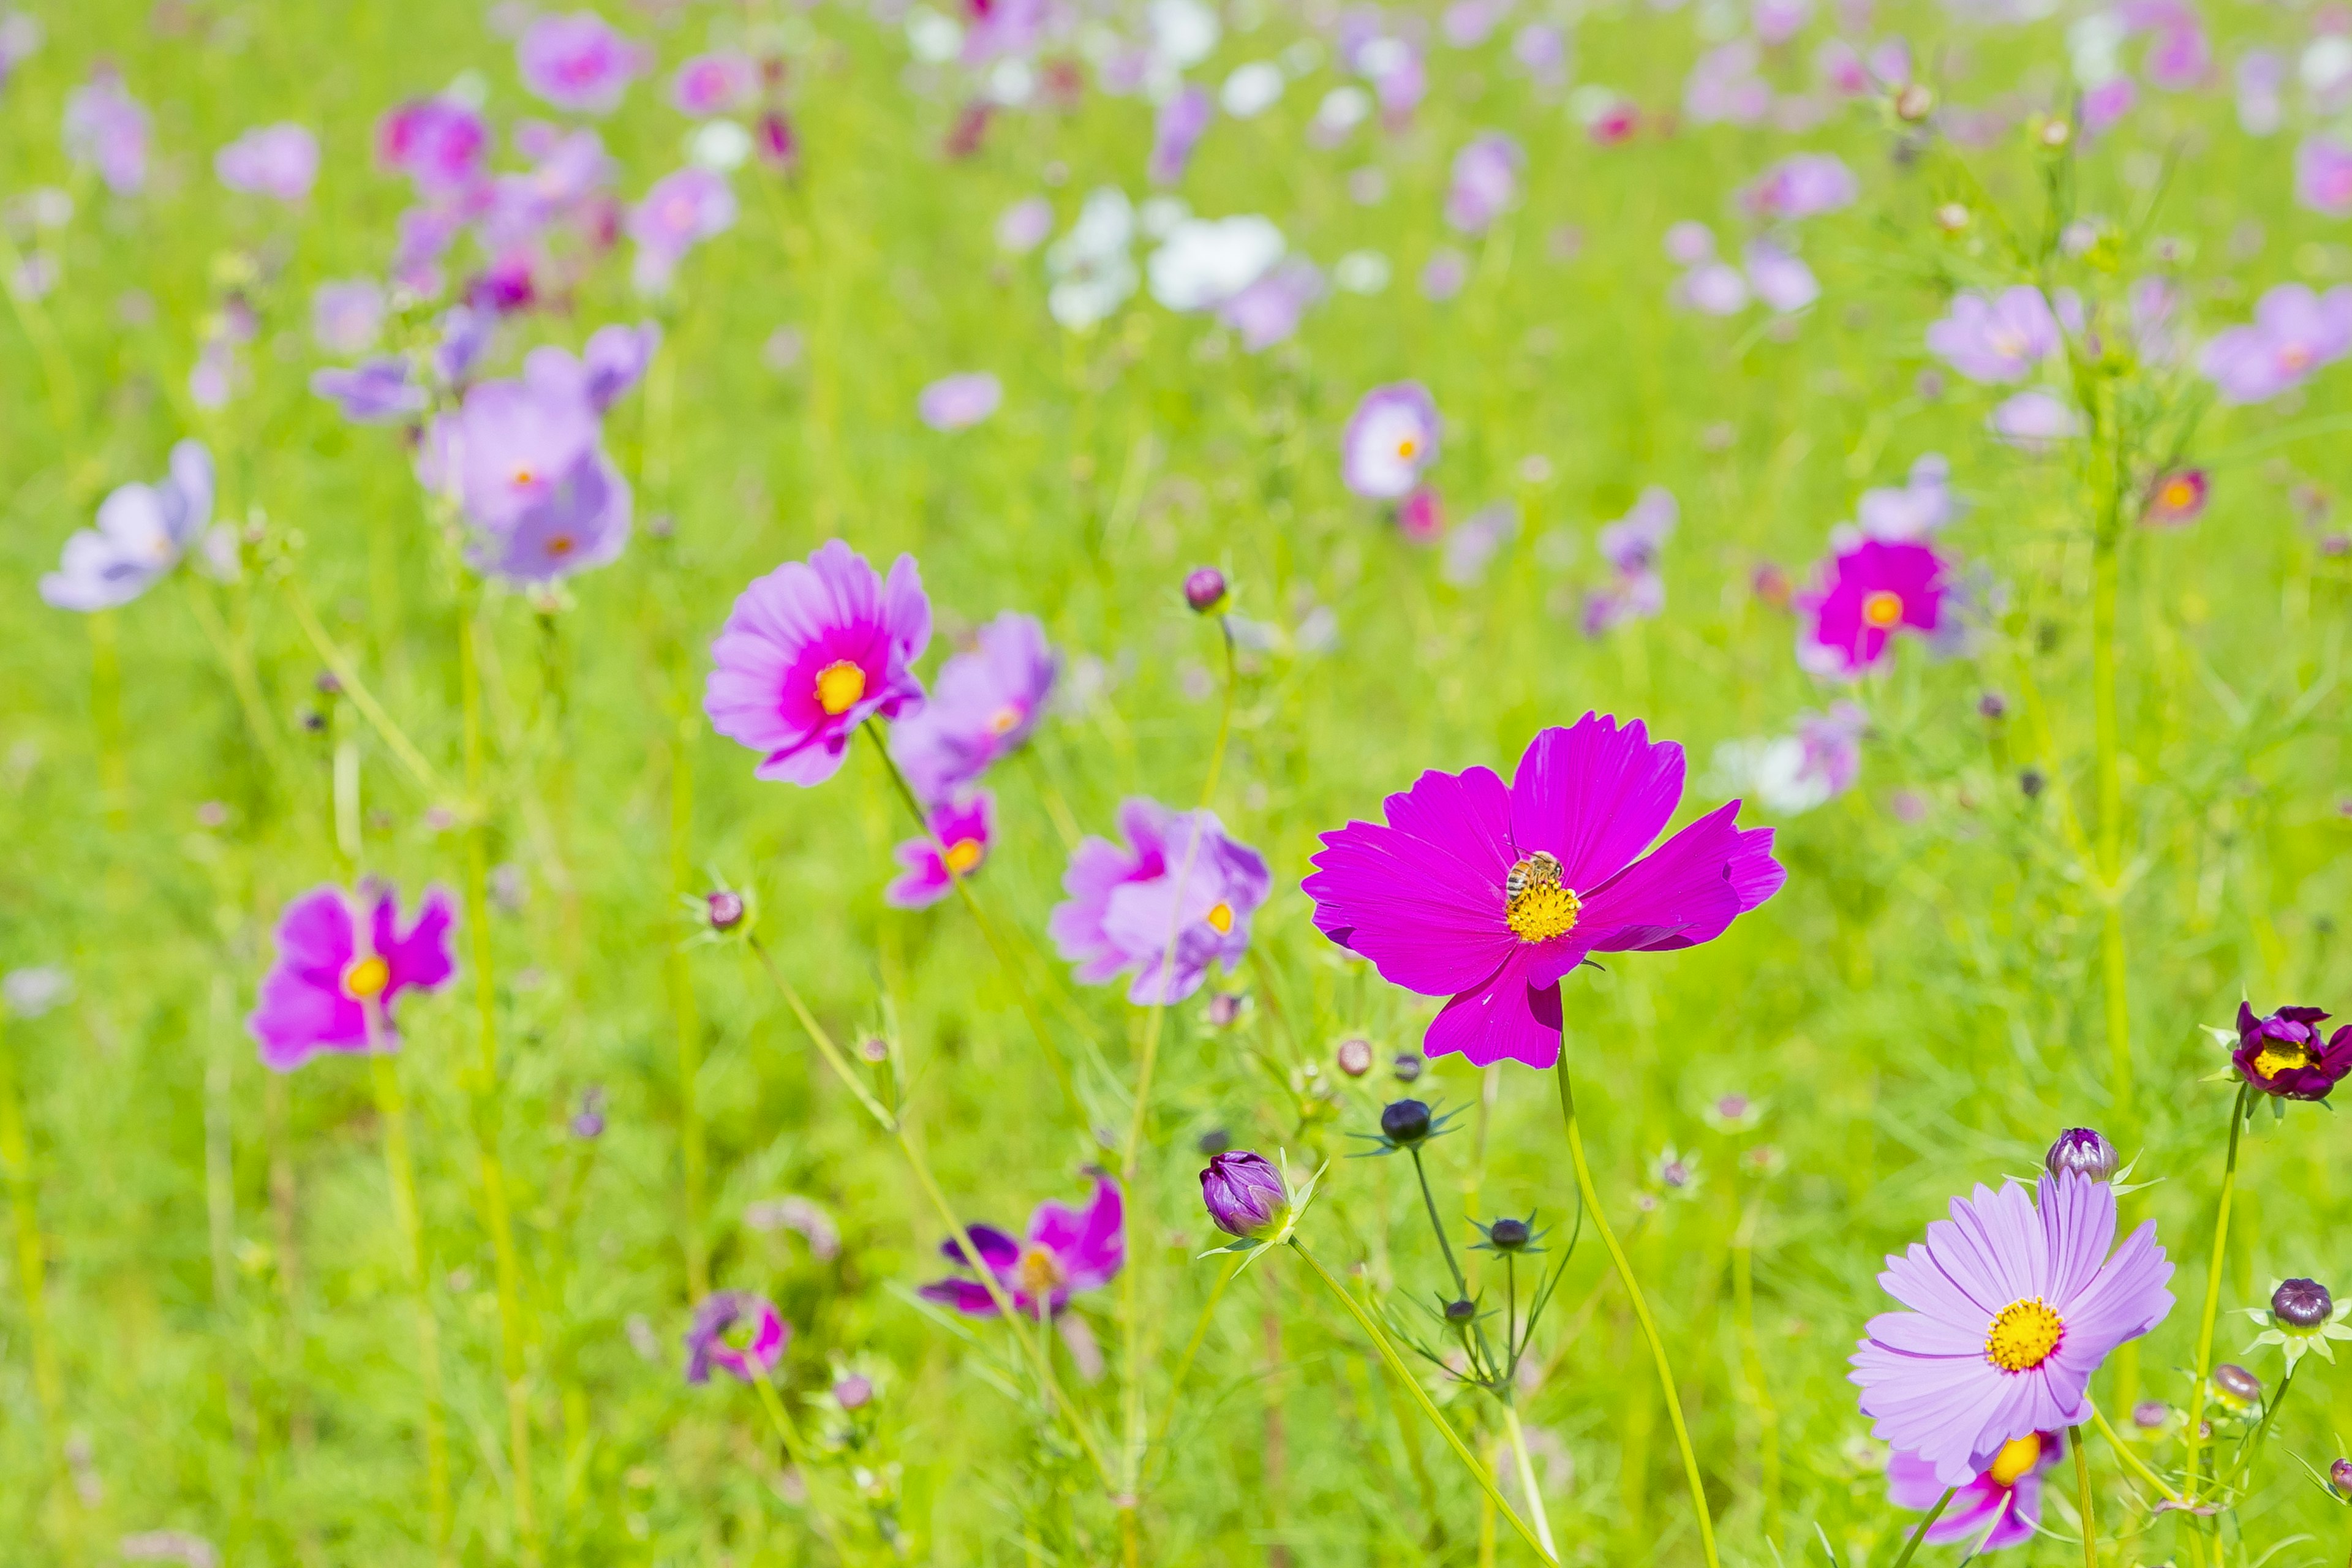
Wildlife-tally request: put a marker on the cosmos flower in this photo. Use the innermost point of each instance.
(2283, 1056)
(2000, 339)
(2014, 1304)
(347, 317)
(812, 650)
(2323, 175)
(965, 830)
(514, 441)
(106, 130)
(578, 62)
(1724, 86)
(983, 706)
(1801, 186)
(1093, 272)
(279, 161)
(1793, 773)
(1066, 1251)
(143, 532)
(1023, 226)
(737, 1332)
(2294, 334)
(681, 211)
(1872, 593)
(1484, 182)
(374, 391)
(1488, 895)
(1780, 278)
(581, 521)
(1632, 545)
(1201, 263)
(714, 84)
(1175, 131)
(612, 361)
(440, 144)
(1123, 913)
(1390, 440)
(2177, 498)
(957, 402)
(1268, 311)
(1244, 1193)
(2000, 1507)
(1914, 511)
(343, 958)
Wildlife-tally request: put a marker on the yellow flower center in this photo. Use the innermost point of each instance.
(2279, 1055)
(560, 545)
(2017, 1456)
(963, 855)
(1038, 1272)
(522, 474)
(366, 977)
(1882, 608)
(1219, 917)
(1005, 721)
(2294, 356)
(839, 685)
(2022, 1336)
(2179, 494)
(1536, 902)
(1407, 447)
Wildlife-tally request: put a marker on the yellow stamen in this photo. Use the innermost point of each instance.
(522, 474)
(2017, 1456)
(1038, 1272)
(1219, 917)
(366, 977)
(2022, 1335)
(1407, 447)
(1005, 721)
(559, 545)
(2294, 356)
(963, 855)
(2179, 494)
(839, 685)
(1882, 608)
(2279, 1055)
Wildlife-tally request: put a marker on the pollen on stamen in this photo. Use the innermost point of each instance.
(963, 855)
(1882, 608)
(2022, 1335)
(839, 685)
(366, 978)
(1220, 918)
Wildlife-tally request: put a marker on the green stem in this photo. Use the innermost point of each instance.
(106, 718)
(1921, 1532)
(347, 675)
(401, 1170)
(1193, 1349)
(1527, 1480)
(1641, 1310)
(2244, 1464)
(2124, 1451)
(1460, 1285)
(16, 1152)
(2113, 964)
(2212, 1298)
(686, 1016)
(789, 1430)
(2082, 1497)
(1759, 1392)
(1479, 1472)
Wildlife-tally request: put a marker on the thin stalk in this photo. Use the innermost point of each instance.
(401, 1171)
(2244, 1464)
(1527, 1480)
(24, 1204)
(1478, 1471)
(687, 1018)
(824, 1042)
(2083, 1498)
(347, 675)
(1193, 1349)
(789, 1430)
(1920, 1533)
(2213, 1300)
(2124, 1451)
(1759, 1392)
(1461, 1286)
(2113, 970)
(1591, 1198)
(497, 1215)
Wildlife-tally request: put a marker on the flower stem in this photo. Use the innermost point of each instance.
(2124, 1451)
(2246, 1461)
(1919, 1534)
(2082, 1497)
(401, 1171)
(1527, 1480)
(687, 1021)
(347, 675)
(2106, 545)
(2212, 1298)
(789, 1430)
(1479, 1472)
(1193, 1349)
(1461, 1286)
(1641, 1310)
(106, 718)
(15, 1154)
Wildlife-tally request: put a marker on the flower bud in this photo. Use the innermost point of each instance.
(853, 1391)
(1244, 1194)
(1204, 589)
(1225, 1009)
(2302, 1303)
(1407, 1067)
(2081, 1150)
(2340, 1475)
(1991, 705)
(1460, 1311)
(1507, 1234)
(1913, 102)
(2236, 1385)
(1355, 1057)
(725, 910)
(1405, 1122)
(1214, 1142)
(2150, 1414)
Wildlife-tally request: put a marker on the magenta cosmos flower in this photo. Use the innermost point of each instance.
(983, 706)
(737, 1332)
(714, 84)
(1390, 440)
(681, 211)
(2002, 1507)
(812, 650)
(1873, 591)
(1066, 1251)
(578, 62)
(440, 144)
(2283, 1055)
(341, 960)
(2000, 339)
(2295, 333)
(1804, 184)
(2012, 1305)
(279, 161)
(1176, 898)
(956, 846)
(1489, 895)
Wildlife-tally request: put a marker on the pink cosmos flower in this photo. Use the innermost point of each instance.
(1996, 340)
(583, 522)
(280, 160)
(346, 318)
(439, 144)
(1486, 182)
(2323, 175)
(812, 650)
(956, 402)
(106, 129)
(341, 960)
(1780, 279)
(1872, 593)
(1066, 1251)
(1390, 440)
(1914, 510)
(1268, 311)
(578, 62)
(1724, 86)
(681, 211)
(984, 706)
(2014, 1304)
(2104, 106)
(2002, 1507)
(964, 832)
(714, 84)
(2177, 498)
(2294, 334)
(1804, 184)
(738, 1331)
(1490, 895)
(1175, 899)
(1174, 133)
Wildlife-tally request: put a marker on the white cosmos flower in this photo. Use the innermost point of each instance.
(1252, 90)
(1203, 262)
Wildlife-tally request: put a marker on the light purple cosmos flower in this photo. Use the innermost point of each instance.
(1542, 50)
(612, 361)
(581, 521)
(1804, 184)
(2002, 1507)
(1004, 28)
(1066, 1251)
(2034, 421)
(1913, 511)
(1486, 181)
(424, 236)
(1780, 279)
(106, 129)
(681, 211)
(1447, 271)
(2294, 334)
(1489, 895)
(280, 160)
(737, 1332)
(578, 62)
(1268, 312)
(984, 706)
(812, 650)
(342, 958)
(2104, 106)
(1872, 593)
(347, 317)
(1713, 288)
(1631, 546)
(440, 144)
(957, 402)
(374, 391)
(714, 84)
(2323, 175)
(1724, 86)
(1176, 132)
(1023, 226)
(956, 847)
(465, 337)
(143, 532)
(1996, 340)
(1175, 899)
(2177, 498)
(2013, 1305)
(514, 443)
(2262, 78)
(1390, 442)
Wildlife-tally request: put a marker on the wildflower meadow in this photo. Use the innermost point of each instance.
(1104, 782)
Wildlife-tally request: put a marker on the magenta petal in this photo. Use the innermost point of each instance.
(1595, 795)
(1422, 897)
(965, 1296)
(997, 1249)
(1505, 1018)
(1683, 890)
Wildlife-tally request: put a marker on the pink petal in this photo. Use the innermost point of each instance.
(1595, 795)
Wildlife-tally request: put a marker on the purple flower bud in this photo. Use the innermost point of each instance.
(588, 1122)
(1355, 1057)
(1214, 1142)
(1992, 705)
(1407, 1067)
(2150, 1414)
(725, 910)
(1204, 589)
(2284, 1056)
(2236, 1385)
(854, 1391)
(1225, 1008)
(1244, 1194)
(2340, 1475)
(2081, 1150)
(1405, 1122)
(1461, 1311)
(2302, 1303)
(1507, 1234)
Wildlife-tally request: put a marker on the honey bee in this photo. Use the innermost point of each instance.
(1540, 869)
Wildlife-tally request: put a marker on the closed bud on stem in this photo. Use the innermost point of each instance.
(1405, 1122)
(1461, 1311)
(2302, 1303)
(2238, 1387)
(725, 910)
(2081, 1150)
(1913, 103)
(2340, 1475)
(1507, 1234)
(1355, 1057)
(1204, 589)
(1244, 1194)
